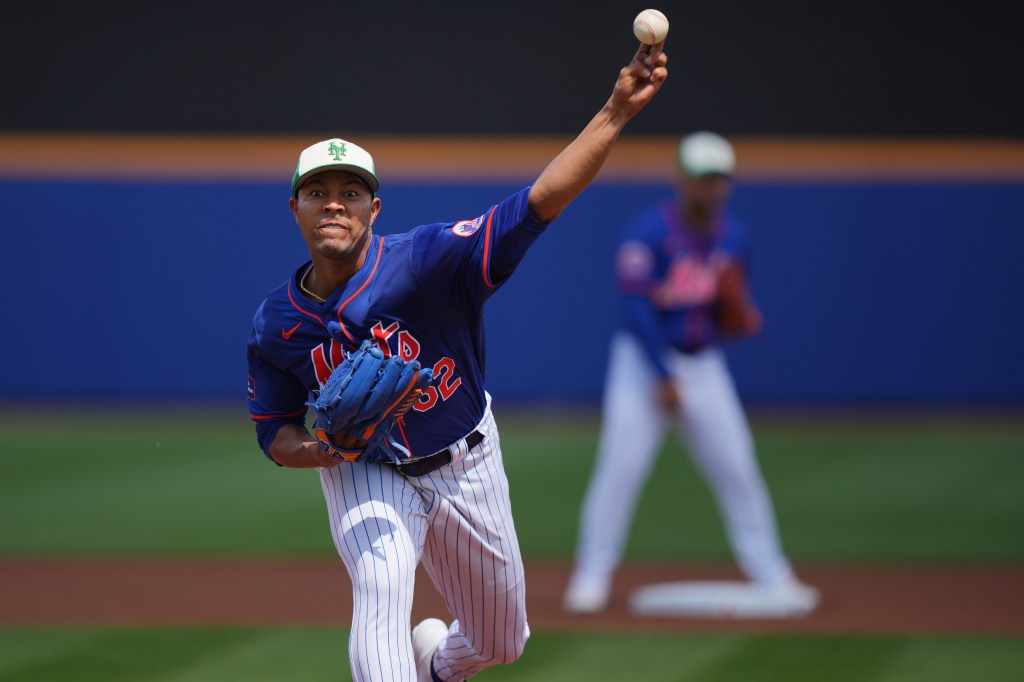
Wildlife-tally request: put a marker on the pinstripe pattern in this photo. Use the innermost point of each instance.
(458, 521)
(377, 523)
(472, 556)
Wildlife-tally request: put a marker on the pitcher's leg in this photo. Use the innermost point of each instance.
(378, 524)
(472, 555)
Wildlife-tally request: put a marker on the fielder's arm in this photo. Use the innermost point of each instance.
(578, 164)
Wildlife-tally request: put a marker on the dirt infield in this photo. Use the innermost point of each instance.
(856, 600)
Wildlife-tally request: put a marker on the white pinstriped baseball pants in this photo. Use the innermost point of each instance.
(715, 430)
(458, 521)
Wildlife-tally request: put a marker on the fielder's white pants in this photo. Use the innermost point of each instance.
(458, 521)
(717, 436)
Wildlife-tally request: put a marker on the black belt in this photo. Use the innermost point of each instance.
(421, 466)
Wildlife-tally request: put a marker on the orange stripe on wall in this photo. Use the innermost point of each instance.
(519, 159)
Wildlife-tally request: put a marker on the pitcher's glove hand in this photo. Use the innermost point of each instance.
(736, 314)
(361, 402)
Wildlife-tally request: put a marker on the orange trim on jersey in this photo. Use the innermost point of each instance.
(278, 416)
(300, 308)
(487, 246)
(380, 250)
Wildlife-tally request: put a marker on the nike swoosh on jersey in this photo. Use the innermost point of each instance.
(288, 334)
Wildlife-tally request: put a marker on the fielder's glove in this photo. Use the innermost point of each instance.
(361, 402)
(735, 312)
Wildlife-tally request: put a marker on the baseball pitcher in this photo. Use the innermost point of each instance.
(382, 337)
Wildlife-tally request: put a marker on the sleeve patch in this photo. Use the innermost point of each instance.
(634, 261)
(466, 228)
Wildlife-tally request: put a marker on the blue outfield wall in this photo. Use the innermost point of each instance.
(892, 293)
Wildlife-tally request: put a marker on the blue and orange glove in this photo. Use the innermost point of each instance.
(365, 396)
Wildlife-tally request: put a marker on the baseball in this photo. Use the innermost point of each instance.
(650, 27)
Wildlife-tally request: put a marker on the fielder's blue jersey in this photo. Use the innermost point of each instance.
(419, 295)
(668, 271)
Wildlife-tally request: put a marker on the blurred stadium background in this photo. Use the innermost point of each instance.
(145, 155)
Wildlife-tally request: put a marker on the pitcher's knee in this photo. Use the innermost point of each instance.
(466, 661)
(511, 650)
(508, 654)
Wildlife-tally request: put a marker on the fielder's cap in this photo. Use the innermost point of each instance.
(706, 153)
(335, 154)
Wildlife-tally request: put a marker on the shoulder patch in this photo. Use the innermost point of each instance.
(634, 260)
(466, 228)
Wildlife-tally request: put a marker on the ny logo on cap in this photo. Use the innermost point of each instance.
(337, 151)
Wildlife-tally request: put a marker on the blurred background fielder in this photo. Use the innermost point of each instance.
(666, 368)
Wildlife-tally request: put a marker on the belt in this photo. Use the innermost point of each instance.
(421, 466)
(690, 349)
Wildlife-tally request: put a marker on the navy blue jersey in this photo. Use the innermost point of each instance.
(420, 295)
(668, 271)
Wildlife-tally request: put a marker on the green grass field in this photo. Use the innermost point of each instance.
(910, 488)
(317, 655)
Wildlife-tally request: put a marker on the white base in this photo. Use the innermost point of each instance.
(724, 600)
